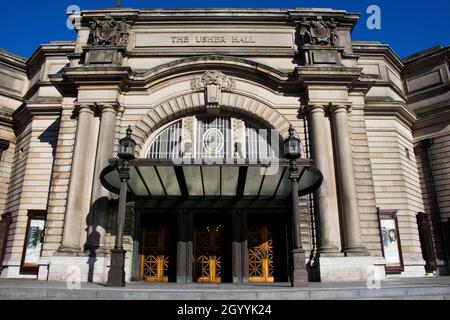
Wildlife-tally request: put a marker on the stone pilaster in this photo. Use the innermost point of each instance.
(325, 196)
(353, 244)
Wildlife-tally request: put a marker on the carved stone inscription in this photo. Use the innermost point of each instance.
(223, 39)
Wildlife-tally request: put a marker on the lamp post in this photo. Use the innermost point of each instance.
(116, 274)
(292, 151)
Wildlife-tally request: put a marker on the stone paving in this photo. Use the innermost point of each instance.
(407, 288)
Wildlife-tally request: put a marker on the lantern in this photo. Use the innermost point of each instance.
(292, 145)
(127, 146)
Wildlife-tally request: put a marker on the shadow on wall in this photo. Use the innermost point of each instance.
(50, 135)
(101, 221)
(97, 220)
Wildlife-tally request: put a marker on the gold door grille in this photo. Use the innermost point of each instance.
(208, 253)
(155, 255)
(260, 253)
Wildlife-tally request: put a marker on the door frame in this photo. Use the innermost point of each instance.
(184, 223)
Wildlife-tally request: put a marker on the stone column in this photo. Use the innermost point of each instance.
(237, 253)
(346, 181)
(78, 198)
(325, 197)
(181, 247)
(100, 196)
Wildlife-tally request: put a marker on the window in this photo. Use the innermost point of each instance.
(206, 136)
(213, 137)
(168, 143)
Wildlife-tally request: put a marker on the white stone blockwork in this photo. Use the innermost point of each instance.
(83, 268)
(334, 269)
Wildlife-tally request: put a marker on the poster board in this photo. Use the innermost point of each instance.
(390, 240)
(34, 239)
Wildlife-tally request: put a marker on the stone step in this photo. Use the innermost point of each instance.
(103, 293)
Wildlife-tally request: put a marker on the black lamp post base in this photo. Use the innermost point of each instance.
(299, 275)
(116, 274)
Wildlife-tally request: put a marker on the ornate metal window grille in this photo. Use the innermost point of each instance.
(168, 143)
(214, 137)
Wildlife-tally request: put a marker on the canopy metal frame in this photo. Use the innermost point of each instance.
(243, 166)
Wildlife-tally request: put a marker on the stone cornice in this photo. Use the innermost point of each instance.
(38, 108)
(50, 107)
(391, 108)
(430, 93)
(392, 86)
(436, 117)
(13, 61)
(68, 81)
(6, 117)
(361, 86)
(5, 93)
(328, 75)
(378, 49)
(142, 16)
(436, 53)
(268, 75)
(52, 49)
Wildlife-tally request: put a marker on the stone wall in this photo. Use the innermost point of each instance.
(6, 164)
(370, 229)
(396, 182)
(13, 253)
(436, 168)
(60, 181)
(30, 182)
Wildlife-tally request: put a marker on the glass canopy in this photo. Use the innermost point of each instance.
(163, 178)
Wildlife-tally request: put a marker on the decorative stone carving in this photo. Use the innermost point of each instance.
(213, 83)
(109, 32)
(224, 82)
(238, 138)
(187, 137)
(318, 31)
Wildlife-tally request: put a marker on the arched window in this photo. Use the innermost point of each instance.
(168, 143)
(205, 136)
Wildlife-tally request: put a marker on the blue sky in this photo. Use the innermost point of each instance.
(407, 26)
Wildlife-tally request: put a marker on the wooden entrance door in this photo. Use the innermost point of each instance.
(260, 253)
(156, 256)
(208, 253)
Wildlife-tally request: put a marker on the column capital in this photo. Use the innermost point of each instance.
(84, 108)
(96, 107)
(313, 108)
(327, 108)
(107, 107)
(334, 108)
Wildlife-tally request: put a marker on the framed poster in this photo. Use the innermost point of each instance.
(390, 239)
(33, 240)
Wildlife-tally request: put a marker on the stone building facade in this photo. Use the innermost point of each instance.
(375, 125)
